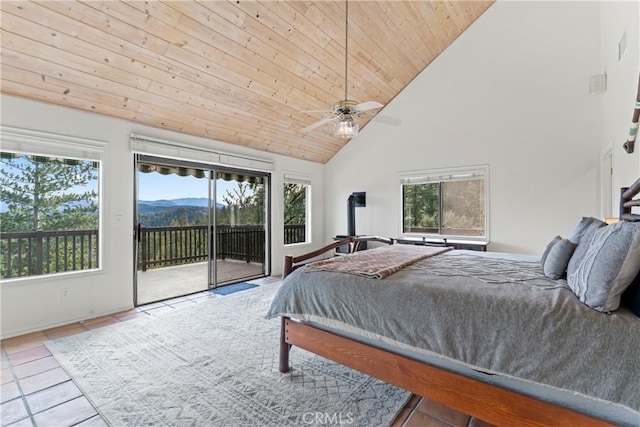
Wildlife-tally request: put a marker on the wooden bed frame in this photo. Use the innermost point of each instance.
(473, 397)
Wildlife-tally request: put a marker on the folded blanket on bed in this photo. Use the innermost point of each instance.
(376, 263)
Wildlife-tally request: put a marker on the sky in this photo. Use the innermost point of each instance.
(154, 186)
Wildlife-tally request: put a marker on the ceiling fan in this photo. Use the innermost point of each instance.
(344, 111)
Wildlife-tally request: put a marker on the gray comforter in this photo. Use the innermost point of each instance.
(492, 312)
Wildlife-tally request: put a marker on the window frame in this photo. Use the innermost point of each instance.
(31, 142)
(305, 180)
(441, 175)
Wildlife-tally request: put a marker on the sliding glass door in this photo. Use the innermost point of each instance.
(198, 227)
(240, 229)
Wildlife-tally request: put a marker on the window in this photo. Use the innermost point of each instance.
(297, 191)
(446, 202)
(49, 205)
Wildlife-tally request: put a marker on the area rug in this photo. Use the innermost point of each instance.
(216, 364)
(232, 289)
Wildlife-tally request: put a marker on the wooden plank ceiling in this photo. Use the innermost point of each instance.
(237, 71)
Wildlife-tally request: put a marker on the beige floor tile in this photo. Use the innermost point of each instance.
(23, 342)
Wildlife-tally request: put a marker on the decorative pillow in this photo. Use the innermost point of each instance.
(585, 227)
(581, 236)
(557, 260)
(548, 249)
(610, 263)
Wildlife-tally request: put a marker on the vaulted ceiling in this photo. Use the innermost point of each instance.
(238, 71)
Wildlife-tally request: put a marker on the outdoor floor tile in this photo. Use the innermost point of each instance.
(12, 411)
(35, 367)
(9, 391)
(67, 414)
(43, 380)
(52, 396)
(29, 355)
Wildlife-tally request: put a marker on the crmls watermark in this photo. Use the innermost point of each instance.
(327, 418)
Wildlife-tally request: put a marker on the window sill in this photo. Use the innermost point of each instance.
(293, 245)
(51, 277)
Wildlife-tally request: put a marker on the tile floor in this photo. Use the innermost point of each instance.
(36, 391)
(421, 412)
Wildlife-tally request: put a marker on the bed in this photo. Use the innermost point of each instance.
(491, 335)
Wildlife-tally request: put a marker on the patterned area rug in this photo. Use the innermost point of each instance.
(216, 364)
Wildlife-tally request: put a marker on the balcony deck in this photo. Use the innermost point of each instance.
(167, 282)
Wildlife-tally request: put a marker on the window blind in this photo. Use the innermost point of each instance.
(178, 151)
(432, 176)
(34, 143)
(295, 178)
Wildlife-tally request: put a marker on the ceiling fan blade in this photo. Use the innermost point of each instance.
(387, 120)
(366, 106)
(319, 123)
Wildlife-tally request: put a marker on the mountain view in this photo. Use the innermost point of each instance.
(174, 212)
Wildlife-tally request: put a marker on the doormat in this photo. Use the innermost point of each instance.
(236, 287)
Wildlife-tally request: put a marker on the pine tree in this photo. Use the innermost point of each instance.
(44, 194)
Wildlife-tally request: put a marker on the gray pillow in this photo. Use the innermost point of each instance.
(548, 249)
(581, 236)
(557, 260)
(585, 227)
(610, 263)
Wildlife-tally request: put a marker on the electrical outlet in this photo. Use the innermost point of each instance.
(65, 293)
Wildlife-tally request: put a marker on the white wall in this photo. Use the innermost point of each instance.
(618, 18)
(511, 92)
(36, 303)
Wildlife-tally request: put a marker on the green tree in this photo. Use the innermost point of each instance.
(40, 194)
(295, 204)
(421, 207)
(44, 194)
(245, 204)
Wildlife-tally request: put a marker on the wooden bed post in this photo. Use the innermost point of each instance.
(284, 347)
(287, 265)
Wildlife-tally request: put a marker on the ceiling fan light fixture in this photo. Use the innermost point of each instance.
(345, 128)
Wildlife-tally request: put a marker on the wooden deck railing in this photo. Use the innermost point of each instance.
(165, 246)
(294, 233)
(42, 252)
